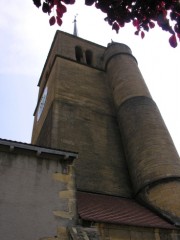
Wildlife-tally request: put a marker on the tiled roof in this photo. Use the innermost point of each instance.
(8, 141)
(117, 210)
(10, 145)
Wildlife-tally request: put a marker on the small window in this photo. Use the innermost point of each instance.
(79, 54)
(89, 56)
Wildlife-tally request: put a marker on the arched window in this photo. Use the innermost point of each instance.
(79, 54)
(89, 56)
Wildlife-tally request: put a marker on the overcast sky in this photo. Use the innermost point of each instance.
(25, 42)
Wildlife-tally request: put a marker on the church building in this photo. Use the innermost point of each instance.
(101, 164)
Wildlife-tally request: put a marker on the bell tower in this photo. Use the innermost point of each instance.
(93, 100)
(75, 111)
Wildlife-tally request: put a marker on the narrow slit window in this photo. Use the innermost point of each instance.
(79, 54)
(89, 56)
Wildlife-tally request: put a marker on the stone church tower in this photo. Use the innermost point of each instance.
(93, 100)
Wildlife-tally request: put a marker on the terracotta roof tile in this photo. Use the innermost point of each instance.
(117, 210)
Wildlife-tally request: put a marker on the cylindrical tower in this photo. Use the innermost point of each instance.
(152, 159)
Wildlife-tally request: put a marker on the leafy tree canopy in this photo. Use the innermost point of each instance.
(143, 14)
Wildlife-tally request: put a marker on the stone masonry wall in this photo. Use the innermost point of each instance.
(37, 197)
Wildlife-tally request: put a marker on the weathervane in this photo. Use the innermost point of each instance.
(75, 32)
